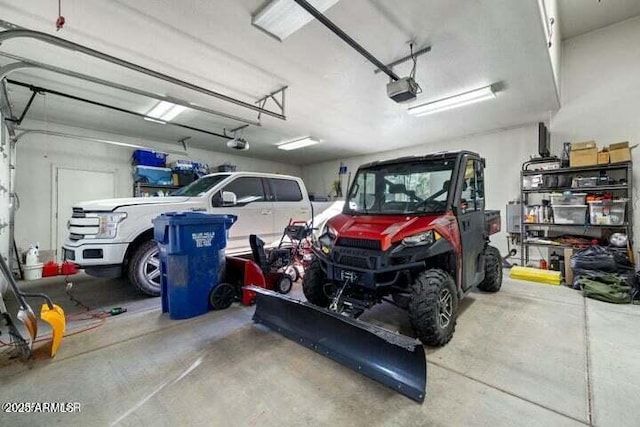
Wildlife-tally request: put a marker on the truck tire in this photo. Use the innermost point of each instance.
(492, 270)
(314, 285)
(433, 307)
(144, 269)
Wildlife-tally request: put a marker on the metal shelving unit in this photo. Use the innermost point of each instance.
(140, 189)
(617, 171)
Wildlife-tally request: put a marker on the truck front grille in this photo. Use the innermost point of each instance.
(359, 243)
(78, 213)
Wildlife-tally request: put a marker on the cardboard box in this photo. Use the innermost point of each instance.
(603, 157)
(583, 154)
(619, 152)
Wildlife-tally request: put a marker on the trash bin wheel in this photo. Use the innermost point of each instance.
(222, 296)
(284, 284)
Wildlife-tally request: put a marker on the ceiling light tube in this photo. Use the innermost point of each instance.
(160, 108)
(455, 101)
(164, 111)
(281, 18)
(298, 143)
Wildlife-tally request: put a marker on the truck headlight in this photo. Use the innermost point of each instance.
(108, 226)
(426, 238)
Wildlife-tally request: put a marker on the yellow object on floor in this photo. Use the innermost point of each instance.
(55, 318)
(536, 275)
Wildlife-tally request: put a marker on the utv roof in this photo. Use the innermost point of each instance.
(412, 159)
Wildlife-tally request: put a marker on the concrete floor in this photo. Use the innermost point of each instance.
(530, 355)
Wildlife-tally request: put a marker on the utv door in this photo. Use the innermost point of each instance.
(469, 202)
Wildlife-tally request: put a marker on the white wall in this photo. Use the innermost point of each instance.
(39, 155)
(601, 92)
(505, 151)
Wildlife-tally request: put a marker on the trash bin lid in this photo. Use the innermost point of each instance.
(194, 218)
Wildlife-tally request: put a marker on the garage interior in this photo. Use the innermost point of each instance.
(268, 89)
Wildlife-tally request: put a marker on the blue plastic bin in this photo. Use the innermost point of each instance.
(149, 158)
(192, 250)
(153, 175)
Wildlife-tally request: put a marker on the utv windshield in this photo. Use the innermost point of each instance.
(200, 187)
(407, 188)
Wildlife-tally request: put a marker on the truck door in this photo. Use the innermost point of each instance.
(289, 204)
(254, 211)
(469, 202)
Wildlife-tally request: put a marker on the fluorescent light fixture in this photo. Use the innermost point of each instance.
(298, 143)
(281, 18)
(164, 111)
(455, 101)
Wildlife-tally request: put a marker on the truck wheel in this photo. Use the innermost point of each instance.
(315, 285)
(144, 269)
(433, 307)
(492, 270)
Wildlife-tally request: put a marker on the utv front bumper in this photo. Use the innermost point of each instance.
(371, 276)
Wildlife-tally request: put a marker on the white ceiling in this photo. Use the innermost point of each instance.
(333, 93)
(581, 16)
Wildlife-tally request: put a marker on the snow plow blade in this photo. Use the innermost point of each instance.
(394, 360)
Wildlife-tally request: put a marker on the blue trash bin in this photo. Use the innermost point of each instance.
(192, 250)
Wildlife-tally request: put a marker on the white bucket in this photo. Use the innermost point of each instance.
(33, 272)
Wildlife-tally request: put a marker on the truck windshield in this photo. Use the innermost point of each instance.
(200, 187)
(406, 188)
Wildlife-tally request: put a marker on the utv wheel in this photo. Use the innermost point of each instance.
(315, 285)
(433, 307)
(144, 269)
(492, 270)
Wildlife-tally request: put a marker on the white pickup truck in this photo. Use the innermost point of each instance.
(108, 238)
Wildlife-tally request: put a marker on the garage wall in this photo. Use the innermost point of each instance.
(601, 92)
(39, 155)
(505, 151)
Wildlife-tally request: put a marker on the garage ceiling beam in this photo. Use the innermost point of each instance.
(110, 107)
(27, 63)
(345, 37)
(57, 41)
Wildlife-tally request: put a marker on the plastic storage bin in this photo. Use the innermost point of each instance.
(564, 199)
(149, 158)
(192, 255)
(586, 182)
(607, 212)
(153, 175)
(569, 214)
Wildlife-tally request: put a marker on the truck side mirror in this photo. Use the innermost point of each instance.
(229, 198)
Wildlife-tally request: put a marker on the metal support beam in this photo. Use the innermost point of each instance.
(345, 37)
(57, 41)
(27, 63)
(26, 132)
(26, 109)
(263, 101)
(405, 58)
(111, 107)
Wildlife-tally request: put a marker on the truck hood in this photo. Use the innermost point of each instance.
(113, 204)
(386, 228)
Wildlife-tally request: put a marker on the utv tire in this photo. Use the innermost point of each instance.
(314, 284)
(144, 269)
(492, 270)
(433, 307)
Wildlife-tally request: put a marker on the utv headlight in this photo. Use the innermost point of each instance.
(426, 238)
(326, 239)
(108, 224)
